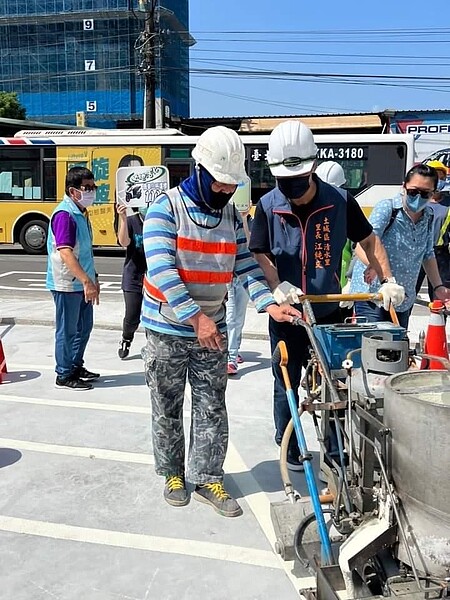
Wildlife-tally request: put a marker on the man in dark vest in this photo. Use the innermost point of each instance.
(299, 231)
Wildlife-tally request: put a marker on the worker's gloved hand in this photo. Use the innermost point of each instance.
(287, 293)
(346, 290)
(391, 292)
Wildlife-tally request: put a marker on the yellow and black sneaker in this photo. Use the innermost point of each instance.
(175, 492)
(216, 496)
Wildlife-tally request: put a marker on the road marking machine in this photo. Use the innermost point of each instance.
(381, 527)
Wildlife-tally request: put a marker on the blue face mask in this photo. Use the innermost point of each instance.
(416, 203)
(441, 184)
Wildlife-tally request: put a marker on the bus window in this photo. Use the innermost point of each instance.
(178, 170)
(20, 174)
(367, 164)
(258, 171)
(49, 180)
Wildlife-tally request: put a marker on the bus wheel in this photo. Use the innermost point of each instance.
(33, 237)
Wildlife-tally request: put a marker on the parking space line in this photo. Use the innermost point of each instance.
(80, 451)
(259, 504)
(51, 367)
(123, 408)
(143, 410)
(135, 541)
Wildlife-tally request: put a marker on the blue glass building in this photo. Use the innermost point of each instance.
(69, 56)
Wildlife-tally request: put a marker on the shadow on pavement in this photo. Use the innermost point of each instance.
(265, 477)
(19, 376)
(122, 379)
(9, 456)
(253, 361)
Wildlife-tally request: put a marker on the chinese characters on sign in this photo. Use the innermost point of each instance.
(322, 247)
(138, 186)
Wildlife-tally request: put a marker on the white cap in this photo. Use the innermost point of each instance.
(331, 172)
(221, 152)
(291, 140)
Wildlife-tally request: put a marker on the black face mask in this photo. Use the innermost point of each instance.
(218, 200)
(294, 187)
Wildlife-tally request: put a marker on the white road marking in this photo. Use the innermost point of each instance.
(105, 286)
(78, 451)
(104, 372)
(135, 541)
(259, 504)
(143, 410)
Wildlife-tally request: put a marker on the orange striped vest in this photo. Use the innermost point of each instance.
(205, 257)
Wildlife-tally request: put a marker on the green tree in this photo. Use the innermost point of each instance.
(10, 107)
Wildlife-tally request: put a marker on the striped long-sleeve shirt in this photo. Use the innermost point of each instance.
(160, 239)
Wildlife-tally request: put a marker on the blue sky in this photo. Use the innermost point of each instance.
(321, 37)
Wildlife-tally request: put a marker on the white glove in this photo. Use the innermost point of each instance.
(346, 290)
(391, 292)
(287, 293)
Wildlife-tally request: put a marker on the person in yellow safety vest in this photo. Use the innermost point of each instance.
(441, 230)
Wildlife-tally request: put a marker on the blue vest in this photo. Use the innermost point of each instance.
(309, 256)
(59, 277)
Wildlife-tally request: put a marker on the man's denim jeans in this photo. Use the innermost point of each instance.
(236, 309)
(377, 314)
(74, 321)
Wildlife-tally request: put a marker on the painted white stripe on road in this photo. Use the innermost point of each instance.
(135, 541)
(259, 504)
(105, 372)
(143, 410)
(124, 408)
(79, 451)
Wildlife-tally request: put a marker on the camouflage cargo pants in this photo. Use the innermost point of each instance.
(169, 360)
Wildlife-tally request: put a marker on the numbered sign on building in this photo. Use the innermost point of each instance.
(91, 106)
(89, 65)
(139, 186)
(88, 24)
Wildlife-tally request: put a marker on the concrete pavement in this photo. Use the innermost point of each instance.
(81, 510)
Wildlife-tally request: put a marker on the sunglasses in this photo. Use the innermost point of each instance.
(294, 161)
(424, 194)
(88, 188)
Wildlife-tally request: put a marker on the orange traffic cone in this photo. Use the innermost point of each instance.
(436, 338)
(3, 368)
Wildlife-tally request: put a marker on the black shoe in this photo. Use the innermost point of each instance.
(216, 496)
(293, 464)
(85, 375)
(175, 492)
(124, 349)
(72, 383)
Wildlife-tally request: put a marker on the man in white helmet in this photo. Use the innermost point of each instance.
(331, 172)
(298, 234)
(194, 244)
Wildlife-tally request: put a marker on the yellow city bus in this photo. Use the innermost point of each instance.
(33, 165)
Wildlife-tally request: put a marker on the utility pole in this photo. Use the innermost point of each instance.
(148, 64)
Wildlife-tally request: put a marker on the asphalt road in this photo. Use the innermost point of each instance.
(23, 275)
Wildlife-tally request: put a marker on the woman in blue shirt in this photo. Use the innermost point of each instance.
(405, 226)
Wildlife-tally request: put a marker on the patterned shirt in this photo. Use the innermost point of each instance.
(160, 234)
(407, 245)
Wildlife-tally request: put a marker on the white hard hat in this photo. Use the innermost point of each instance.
(221, 152)
(292, 150)
(331, 172)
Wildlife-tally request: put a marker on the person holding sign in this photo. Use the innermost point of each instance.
(130, 237)
(194, 244)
